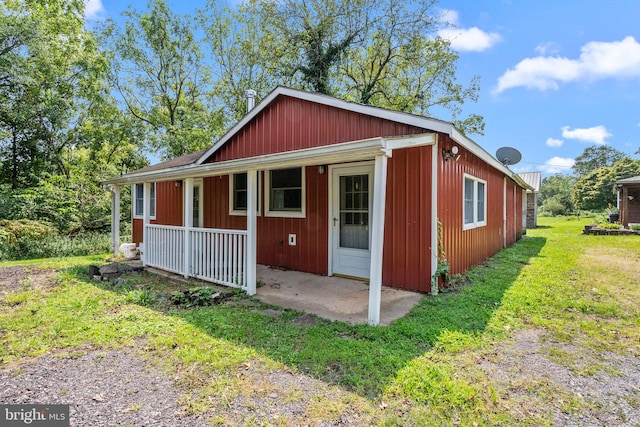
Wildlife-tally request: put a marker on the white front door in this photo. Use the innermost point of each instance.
(352, 202)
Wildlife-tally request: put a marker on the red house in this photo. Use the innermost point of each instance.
(317, 184)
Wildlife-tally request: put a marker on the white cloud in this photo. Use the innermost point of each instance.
(93, 9)
(596, 134)
(546, 48)
(598, 60)
(551, 142)
(465, 39)
(558, 165)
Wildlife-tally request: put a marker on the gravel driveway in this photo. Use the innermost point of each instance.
(121, 388)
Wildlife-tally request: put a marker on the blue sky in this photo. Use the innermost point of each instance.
(556, 76)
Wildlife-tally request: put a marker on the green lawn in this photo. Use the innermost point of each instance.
(424, 368)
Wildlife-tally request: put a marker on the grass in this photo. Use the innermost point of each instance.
(581, 291)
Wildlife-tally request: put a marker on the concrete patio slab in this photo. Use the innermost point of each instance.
(332, 298)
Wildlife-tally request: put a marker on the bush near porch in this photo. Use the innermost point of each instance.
(568, 300)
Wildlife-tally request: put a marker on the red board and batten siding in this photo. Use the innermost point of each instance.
(466, 248)
(294, 124)
(407, 238)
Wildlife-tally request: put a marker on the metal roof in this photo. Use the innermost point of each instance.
(533, 180)
(632, 180)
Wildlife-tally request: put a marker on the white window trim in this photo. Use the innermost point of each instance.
(475, 223)
(302, 213)
(241, 212)
(134, 199)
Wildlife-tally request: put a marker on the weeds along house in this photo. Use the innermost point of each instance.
(313, 183)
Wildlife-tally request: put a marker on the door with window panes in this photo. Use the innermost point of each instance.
(352, 202)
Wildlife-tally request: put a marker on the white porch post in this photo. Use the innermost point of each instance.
(187, 222)
(377, 238)
(115, 220)
(435, 150)
(146, 217)
(252, 227)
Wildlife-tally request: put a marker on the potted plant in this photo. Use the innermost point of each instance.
(614, 216)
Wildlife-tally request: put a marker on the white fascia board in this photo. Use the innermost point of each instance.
(351, 151)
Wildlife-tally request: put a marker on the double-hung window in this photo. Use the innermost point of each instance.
(138, 200)
(474, 211)
(238, 190)
(285, 193)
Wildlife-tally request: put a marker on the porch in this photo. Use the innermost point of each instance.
(331, 298)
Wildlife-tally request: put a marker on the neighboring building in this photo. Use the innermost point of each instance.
(629, 200)
(533, 180)
(313, 183)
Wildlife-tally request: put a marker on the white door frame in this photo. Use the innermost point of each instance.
(334, 199)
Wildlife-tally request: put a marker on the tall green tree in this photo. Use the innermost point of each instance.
(245, 56)
(158, 71)
(595, 157)
(50, 74)
(595, 191)
(556, 194)
(383, 53)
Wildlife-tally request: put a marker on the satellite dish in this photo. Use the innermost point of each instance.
(508, 156)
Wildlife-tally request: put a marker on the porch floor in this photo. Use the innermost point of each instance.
(332, 298)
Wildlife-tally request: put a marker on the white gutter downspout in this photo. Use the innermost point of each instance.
(504, 214)
(434, 217)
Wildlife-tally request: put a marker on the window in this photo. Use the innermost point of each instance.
(238, 194)
(197, 197)
(138, 200)
(474, 203)
(285, 193)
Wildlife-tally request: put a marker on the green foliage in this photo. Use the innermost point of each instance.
(196, 297)
(141, 297)
(595, 191)
(596, 157)
(27, 239)
(609, 225)
(51, 73)
(158, 71)
(383, 53)
(12, 232)
(559, 189)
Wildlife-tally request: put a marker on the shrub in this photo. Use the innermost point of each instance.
(200, 296)
(26, 239)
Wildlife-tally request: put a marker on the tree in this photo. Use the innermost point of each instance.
(556, 194)
(595, 157)
(595, 191)
(158, 71)
(245, 57)
(51, 72)
(383, 53)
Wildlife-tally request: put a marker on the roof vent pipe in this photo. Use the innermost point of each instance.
(250, 94)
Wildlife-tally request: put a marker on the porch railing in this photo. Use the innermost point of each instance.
(164, 247)
(219, 256)
(215, 255)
